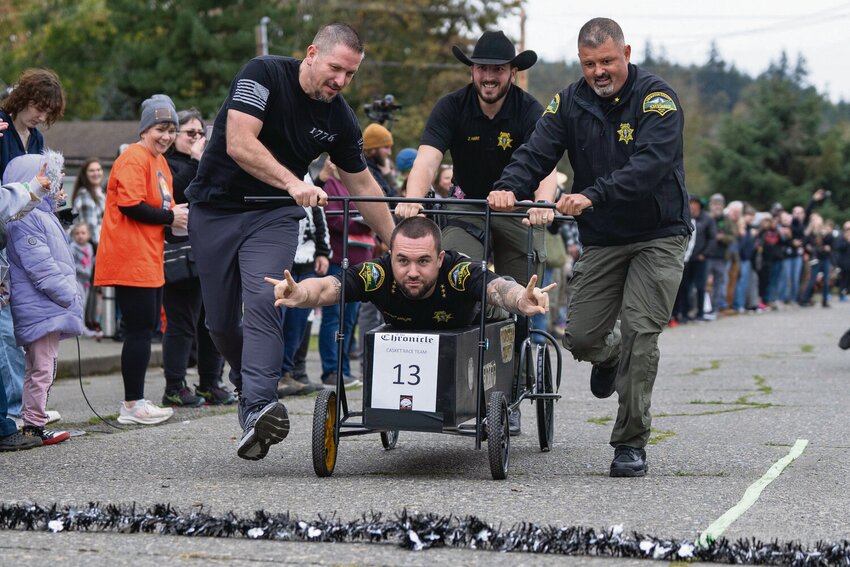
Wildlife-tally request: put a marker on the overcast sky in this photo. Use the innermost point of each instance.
(748, 33)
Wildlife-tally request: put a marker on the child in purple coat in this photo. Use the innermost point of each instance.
(45, 299)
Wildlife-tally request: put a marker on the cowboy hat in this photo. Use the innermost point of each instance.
(494, 48)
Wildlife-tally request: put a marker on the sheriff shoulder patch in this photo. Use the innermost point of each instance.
(372, 275)
(458, 276)
(553, 106)
(658, 102)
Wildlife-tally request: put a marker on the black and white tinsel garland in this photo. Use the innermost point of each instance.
(414, 531)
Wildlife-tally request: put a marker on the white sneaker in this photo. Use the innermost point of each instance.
(52, 416)
(143, 413)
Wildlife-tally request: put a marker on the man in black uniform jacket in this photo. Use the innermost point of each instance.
(280, 114)
(417, 284)
(622, 129)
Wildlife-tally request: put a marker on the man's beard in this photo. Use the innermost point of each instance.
(321, 97)
(423, 291)
(606, 91)
(377, 157)
(500, 94)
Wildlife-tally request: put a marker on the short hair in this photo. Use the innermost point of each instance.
(40, 87)
(185, 116)
(598, 30)
(331, 35)
(418, 227)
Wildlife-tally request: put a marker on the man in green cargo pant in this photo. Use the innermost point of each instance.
(622, 130)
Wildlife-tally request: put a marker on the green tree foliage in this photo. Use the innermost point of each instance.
(71, 37)
(189, 50)
(767, 147)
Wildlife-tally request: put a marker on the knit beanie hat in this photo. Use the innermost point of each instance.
(376, 136)
(404, 160)
(155, 110)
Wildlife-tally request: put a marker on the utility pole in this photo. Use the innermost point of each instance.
(261, 33)
(522, 78)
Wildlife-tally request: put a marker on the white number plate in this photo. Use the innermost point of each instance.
(404, 371)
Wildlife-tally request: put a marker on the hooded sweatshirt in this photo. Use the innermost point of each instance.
(45, 296)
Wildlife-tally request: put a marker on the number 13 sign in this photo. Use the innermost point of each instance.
(404, 371)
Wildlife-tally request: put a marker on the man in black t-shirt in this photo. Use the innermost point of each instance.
(482, 125)
(417, 284)
(280, 114)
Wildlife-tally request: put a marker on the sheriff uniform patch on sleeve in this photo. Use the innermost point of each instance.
(658, 102)
(553, 106)
(459, 275)
(372, 275)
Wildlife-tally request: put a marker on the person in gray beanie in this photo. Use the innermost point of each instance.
(156, 110)
(139, 205)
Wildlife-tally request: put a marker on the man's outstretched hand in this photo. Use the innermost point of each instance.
(535, 301)
(287, 293)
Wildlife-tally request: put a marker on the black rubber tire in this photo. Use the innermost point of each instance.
(545, 408)
(389, 439)
(324, 421)
(498, 436)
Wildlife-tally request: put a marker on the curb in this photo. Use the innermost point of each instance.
(94, 365)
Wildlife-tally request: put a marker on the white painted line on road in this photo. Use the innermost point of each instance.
(716, 529)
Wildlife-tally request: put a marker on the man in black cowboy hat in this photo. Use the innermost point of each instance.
(482, 125)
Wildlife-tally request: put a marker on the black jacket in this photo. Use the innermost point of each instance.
(626, 154)
(704, 235)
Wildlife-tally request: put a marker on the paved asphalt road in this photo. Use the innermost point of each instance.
(731, 398)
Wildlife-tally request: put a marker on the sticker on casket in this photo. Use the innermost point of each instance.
(404, 371)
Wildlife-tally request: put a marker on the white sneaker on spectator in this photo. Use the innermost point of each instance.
(144, 412)
(53, 416)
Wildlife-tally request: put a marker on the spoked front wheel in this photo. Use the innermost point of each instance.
(498, 435)
(545, 407)
(324, 445)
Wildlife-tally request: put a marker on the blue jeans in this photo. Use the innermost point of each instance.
(822, 267)
(294, 321)
(327, 332)
(13, 363)
(745, 269)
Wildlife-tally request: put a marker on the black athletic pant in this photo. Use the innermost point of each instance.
(140, 309)
(183, 309)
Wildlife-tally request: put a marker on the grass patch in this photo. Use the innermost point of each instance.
(712, 365)
(659, 436)
(600, 420)
(96, 420)
(807, 348)
(719, 474)
(761, 385)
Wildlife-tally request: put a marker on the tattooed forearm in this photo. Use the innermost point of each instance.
(505, 294)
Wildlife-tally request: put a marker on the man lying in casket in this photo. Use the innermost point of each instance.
(429, 288)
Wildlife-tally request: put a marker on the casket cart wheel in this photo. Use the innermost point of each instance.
(389, 439)
(498, 435)
(324, 445)
(545, 407)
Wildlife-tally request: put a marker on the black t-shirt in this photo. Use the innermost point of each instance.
(454, 303)
(480, 147)
(296, 129)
